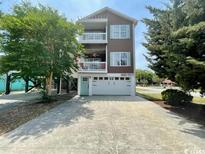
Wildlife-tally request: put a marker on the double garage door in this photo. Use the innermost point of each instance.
(111, 86)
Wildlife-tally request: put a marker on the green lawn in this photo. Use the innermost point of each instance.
(157, 96)
(148, 95)
(199, 100)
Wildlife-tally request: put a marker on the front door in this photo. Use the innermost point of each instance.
(84, 90)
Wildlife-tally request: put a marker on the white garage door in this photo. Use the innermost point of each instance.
(111, 86)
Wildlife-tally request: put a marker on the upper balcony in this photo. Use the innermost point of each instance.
(93, 37)
(95, 31)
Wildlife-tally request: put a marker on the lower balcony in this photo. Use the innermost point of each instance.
(92, 67)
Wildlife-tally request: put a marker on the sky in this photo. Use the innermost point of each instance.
(74, 9)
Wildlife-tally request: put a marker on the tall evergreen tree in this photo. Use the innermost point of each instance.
(175, 41)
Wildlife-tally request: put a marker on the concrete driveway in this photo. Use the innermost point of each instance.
(115, 125)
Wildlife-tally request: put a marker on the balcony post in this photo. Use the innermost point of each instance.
(106, 31)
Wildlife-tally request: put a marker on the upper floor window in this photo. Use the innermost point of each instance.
(120, 59)
(119, 31)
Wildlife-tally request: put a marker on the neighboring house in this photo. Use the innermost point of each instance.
(167, 83)
(108, 66)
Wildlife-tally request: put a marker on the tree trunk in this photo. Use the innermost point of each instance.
(49, 84)
(58, 85)
(8, 80)
(26, 85)
(68, 85)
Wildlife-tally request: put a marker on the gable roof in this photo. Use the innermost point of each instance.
(112, 11)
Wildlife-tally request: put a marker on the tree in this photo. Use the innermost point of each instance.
(39, 43)
(146, 77)
(175, 40)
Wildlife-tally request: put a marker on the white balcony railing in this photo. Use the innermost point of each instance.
(92, 66)
(93, 38)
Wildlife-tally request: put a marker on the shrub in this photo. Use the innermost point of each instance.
(176, 97)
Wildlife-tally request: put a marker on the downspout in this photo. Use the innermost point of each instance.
(134, 78)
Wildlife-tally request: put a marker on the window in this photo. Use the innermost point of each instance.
(119, 31)
(100, 78)
(127, 78)
(120, 59)
(95, 78)
(116, 78)
(121, 78)
(111, 78)
(85, 79)
(105, 78)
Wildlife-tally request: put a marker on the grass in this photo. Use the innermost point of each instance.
(157, 96)
(151, 96)
(148, 95)
(199, 100)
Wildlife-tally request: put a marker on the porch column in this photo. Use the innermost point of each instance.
(133, 86)
(60, 85)
(79, 81)
(68, 85)
(106, 63)
(90, 86)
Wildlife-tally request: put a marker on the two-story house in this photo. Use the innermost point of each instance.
(108, 65)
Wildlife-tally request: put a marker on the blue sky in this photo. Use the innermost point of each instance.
(74, 9)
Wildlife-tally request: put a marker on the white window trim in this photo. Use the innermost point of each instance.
(113, 29)
(112, 63)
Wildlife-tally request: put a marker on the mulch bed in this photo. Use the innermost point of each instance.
(18, 115)
(192, 112)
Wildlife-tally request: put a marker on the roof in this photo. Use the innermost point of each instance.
(112, 11)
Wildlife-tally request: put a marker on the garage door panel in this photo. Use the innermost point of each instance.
(111, 87)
